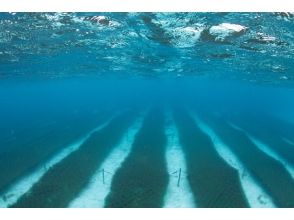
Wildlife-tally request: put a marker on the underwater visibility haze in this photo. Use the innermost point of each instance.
(147, 110)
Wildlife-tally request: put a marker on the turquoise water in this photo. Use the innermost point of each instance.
(146, 110)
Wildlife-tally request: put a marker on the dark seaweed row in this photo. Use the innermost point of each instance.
(63, 182)
(142, 179)
(213, 182)
(23, 157)
(268, 172)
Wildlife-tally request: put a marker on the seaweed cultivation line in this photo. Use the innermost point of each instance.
(255, 194)
(24, 184)
(94, 194)
(213, 182)
(260, 127)
(142, 179)
(63, 182)
(28, 156)
(267, 150)
(273, 177)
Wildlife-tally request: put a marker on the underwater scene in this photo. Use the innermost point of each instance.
(146, 110)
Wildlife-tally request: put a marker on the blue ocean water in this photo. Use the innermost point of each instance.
(146, 110)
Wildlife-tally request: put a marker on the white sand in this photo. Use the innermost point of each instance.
(24, 184)
(175, 196)
(254, 193)
(288, 141)
(267, 150)
(93, 196)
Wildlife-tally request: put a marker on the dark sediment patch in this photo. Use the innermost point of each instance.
(63, 182)
(25, 154)
(142, 179)
(271, 175)
(213, 182)
(271, 131)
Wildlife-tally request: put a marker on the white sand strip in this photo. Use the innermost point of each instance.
(254, 193)
(25, 183)
(288, 141)
(93, 196)
(267, 150)
(176, 196)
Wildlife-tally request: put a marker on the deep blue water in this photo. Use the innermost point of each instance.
(146, 110)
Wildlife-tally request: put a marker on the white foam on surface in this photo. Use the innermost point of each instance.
(93, 196)
(176, 197)
(254, 193)
(24, 184)
(224, 30)
(267, 150)
(186, 36)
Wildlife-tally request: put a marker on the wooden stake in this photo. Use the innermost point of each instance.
(179, 178)
(103, 176)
